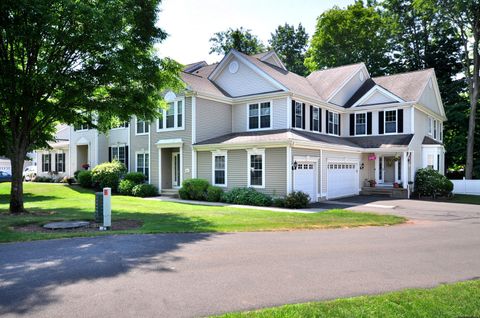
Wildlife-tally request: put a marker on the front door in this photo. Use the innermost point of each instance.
(175, 169)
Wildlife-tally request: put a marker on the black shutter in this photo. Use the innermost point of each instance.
(326, 121)
(293, 113)
(311, 117)
(49, 162)
(303, 116)
(56, 162)
(126, 157)
(339, 124)
(352, 124)
(320, 120)
(400, 120)
(369, 123)
(109, 154)
(380, 123)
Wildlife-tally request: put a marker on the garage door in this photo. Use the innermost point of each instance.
(305, 179)
(342, 180)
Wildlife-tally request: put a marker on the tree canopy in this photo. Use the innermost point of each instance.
(239, 39)
(72, 62)
(291, 44)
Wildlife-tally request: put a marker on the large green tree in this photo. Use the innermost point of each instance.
(291, 44)
(72, 62)
(358, 33)
(239, 39)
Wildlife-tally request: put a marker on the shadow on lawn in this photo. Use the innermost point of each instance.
(30, 272)
(27, 197)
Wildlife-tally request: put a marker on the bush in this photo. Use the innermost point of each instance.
(429, 182)
(43, 179)
(247, 196)
(214, 194)
(297, 200)
(144, 190)
(125, 187)
(70, 181)
(278, 202)
(194, 189)
(108, 174)
(85, 178)
(135, 177)
(75, 174)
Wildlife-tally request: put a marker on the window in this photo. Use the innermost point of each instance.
(220, 168)
(333, 123)
(390, 121)
(298, 115)
(118, 153)
(80, 127)
(360, 124)
(60, 162)
(46, 162)
(256, 165)
(429, 123)
(142, 164)
(430, 163)
(441, 131)
(172, 116)
(259, 115)
(316, 119)
(142, 127)
(121, 125)
(435, 126)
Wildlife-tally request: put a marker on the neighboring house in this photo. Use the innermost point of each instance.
(248, 122)
(54, 162)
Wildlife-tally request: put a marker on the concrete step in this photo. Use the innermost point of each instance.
(391, 192)
(173, 193)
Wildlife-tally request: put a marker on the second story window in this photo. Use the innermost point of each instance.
(121, 125)
(142, 127)
(360, 124)
(118, 153)
(172, 117)
(81, 127)
(259, 115)
(315, 122)
(390, 121)
(435, 129)
(333, 123)
(298, 115)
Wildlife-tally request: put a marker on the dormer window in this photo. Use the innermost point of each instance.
(172, 117)
(259, 116)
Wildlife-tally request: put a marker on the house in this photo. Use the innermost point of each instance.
(54, 161)
(248, 122)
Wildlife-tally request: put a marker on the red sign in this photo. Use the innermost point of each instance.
(372, 157)
(105, 192)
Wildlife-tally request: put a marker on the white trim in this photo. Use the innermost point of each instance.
(322, 194)
(143, 152)
(372, 91)
(297, 102)
(328, 124)
(275, 57)
(314, 160)
(172, 164)
(385, 121)
(251, 152)
(355, 72)
(175, 117)
(159, 169)
(144, 125)
(169, 143)
(194, 163)
(220, 153)
(289, 169)
(412, 120)
(319, 120)
(181, 165)
(289, 112)
(149, 151)
(355, 123)
(259, 103)
(194, 119)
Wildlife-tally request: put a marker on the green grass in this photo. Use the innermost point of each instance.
(465, 198)
(75, 203)
(453, 300)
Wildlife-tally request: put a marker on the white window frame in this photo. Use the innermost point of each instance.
(63, 162)
(175, 117)
(440, 132)
(49, 156)
(82, 127)
(145, 164)
(316, 108)
(145, 124)
(355, 123)
(385, 121)
(335, 115)
(220, 153)
(259, 103)
(297, 103)
(123, 125)
(118, 146)
(260, 152)
(430, 126)
(435, 129)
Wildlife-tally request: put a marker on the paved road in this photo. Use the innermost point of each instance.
(193, 275)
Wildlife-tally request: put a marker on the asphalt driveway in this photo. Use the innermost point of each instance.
(191, 275)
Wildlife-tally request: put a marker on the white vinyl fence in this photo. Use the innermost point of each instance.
(466, 186)
(5, 165)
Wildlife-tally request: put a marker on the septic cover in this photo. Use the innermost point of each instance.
(66, 225)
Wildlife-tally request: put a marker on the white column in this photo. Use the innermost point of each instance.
(194, 163)
(289, 169)
(405, 169)
(159, 169)
(377, 168)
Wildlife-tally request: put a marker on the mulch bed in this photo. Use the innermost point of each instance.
(118, 225)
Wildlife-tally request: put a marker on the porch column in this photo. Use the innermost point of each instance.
(377, 168)
(404, 169)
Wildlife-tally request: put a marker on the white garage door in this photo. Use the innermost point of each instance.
(305, 179)
(342, 179)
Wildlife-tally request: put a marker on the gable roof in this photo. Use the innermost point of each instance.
(430, 141)
(408, 86)
(201, 84)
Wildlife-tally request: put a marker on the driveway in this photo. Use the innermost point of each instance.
(191, 275)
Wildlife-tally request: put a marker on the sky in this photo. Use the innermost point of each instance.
(191, 23)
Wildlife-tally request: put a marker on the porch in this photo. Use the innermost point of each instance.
(170, 162)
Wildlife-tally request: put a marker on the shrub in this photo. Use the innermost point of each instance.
(194, 189)
(297, 200)
(214, 194)
(71, 181)
(247, 196)
(144, 190)
(75, 174)
(43, 179)
(135, 177)
(125, 187)
(108, 174)
(85, 178)
(278, 202)
(429, 182)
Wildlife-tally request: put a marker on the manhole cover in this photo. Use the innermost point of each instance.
(66, 225)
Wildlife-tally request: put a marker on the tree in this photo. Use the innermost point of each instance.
(241, 40)
(72, 62)
(345, 36)
(291, 45)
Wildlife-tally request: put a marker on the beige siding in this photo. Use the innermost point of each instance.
(275, 171)
(279, 114)
(213, 119)
(204, 165)
(348, 90)
(138, 143)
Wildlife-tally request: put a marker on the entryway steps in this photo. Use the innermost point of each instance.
(391, 192)
(172, 193)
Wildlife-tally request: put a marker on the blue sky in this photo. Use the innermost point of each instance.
(191, 23)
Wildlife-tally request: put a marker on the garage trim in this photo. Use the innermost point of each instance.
(342, 161)
(315, 161)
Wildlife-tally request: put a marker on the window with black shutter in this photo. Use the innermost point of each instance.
(380, 122)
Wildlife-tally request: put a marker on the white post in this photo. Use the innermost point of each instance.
(289, 169)
(107, 208)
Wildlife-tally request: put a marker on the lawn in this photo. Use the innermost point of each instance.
(453, 300)
(465, 198)
(56, 202)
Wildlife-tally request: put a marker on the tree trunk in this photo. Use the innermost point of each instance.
(16, 192)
